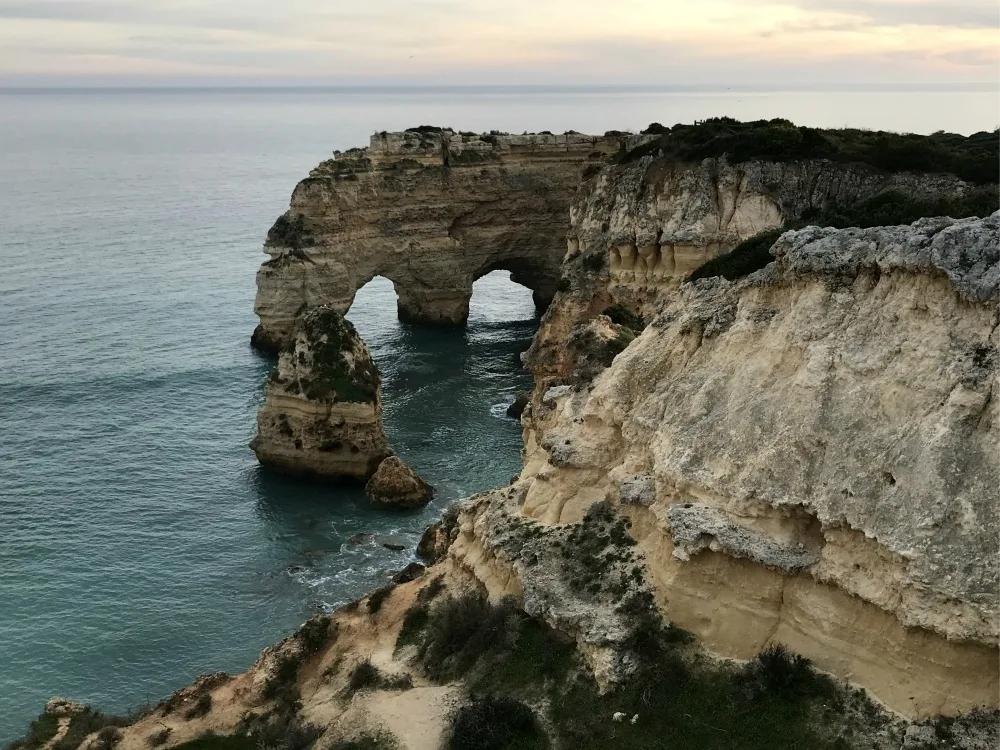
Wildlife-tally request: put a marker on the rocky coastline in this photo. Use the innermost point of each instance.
(760, 493)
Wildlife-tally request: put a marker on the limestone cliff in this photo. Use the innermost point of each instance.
(322, 413)
(807, 456)
(637, 231)
(430, 209)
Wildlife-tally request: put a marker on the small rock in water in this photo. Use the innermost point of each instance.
(394, 547)
(360, 538)
(395, 485)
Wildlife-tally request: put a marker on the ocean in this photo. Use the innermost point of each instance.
(140, 542)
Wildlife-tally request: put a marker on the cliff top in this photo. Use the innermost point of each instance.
(973, 158)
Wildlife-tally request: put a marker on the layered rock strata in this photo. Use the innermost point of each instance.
(322, 413)
(638, 231)
(807, 456)
(432, 212)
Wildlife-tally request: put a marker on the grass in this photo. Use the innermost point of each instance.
(891, 208)
(495, 723)
(973, 158)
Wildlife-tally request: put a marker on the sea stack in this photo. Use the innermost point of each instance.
(322, 414)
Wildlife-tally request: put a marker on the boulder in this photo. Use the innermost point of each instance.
(396, 485)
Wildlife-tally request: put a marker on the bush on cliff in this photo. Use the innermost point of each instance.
(891, 208)
(495, 723)
(973, 158)
(330, 336)
(621, 315)
(290, 232)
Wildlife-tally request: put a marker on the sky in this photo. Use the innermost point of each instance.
(513, 42)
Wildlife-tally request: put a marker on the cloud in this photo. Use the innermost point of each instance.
(516, 41)
(964, 14)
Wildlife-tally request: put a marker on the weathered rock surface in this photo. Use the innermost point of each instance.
(808, 456)
(322, 413)
(433, 212)
(638, 231)
(396, 485)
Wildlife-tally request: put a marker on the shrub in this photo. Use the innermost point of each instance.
(364, 676)
(592, 170)
(414, 622)
(564, 285)
(201, 707)
(42, 730)
(972, 158)
(777, 671)
(159, 737)
(621, 315)
(84, 723)
(377, 598)
(425, 129)
(891, 208)
(495, 723)
(314, 633)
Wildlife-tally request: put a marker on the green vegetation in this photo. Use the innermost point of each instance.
(890, 208)
(42, 730)
(592, 170)
(311, 637)
(973, 158)
(366, 676)
(426, 129)
(290, 232)
(621, 315)
(495, 723)
(201, 707)
(87, 722)
(414, 622)
(378, 597)
(330, 336)
(216, 742)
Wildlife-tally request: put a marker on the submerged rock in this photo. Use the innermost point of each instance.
(396, 485)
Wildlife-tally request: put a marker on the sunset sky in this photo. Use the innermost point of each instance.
(664, 42)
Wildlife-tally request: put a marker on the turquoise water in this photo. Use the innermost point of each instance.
(140, 544)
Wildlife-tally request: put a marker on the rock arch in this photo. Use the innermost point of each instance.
(431, 210)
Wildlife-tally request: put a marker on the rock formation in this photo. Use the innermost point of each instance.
(802, 457)
(322, 413)
(396, 485)
(807, 456)
(430, 209)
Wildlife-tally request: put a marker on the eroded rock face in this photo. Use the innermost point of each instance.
(433, 212)
(396, 485)
(807, 456)
(322, 414)
(637, 231)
